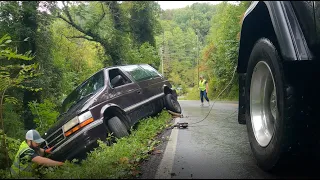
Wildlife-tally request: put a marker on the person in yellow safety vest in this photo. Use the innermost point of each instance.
(203, 87)
(30, 155)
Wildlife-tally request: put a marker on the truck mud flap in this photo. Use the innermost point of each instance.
(242, 108)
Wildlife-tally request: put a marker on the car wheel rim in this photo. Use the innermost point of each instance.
(263, 103)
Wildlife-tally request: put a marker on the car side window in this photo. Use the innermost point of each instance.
(137, 72)
(93, 84)
(117, 78)
(154, 73)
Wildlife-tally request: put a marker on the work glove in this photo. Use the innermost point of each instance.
(48, 151)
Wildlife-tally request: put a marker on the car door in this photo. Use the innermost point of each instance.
(126, 95)
(142, 78)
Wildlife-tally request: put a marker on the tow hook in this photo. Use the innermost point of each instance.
(181, 125)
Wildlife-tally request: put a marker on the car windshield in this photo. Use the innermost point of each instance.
(85, 90)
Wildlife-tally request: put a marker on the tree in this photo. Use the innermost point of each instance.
(144, 21)
(221, 51)
(25, 22)
(109, 25)
(12, 76)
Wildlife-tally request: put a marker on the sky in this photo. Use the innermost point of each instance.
(176, 4)
(181, 4)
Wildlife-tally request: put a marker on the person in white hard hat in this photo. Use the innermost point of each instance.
(30, 155)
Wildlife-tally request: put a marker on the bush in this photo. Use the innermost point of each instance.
(45, 114)
(13, 123)
(13, 147)
(193, 94)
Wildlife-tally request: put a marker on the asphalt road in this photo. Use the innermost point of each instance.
(216, 147)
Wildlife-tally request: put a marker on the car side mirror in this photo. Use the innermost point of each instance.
(116, 81)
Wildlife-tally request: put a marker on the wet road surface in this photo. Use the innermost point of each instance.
(216, 147)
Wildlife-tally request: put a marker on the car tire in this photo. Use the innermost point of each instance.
(172, 103)
(270, 119)
(117, 127)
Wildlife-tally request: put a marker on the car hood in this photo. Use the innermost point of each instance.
(77, 109)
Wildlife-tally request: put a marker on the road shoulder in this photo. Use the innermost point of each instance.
(150, 166)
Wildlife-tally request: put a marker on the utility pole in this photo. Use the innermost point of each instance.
(162, 51)
(198, 54)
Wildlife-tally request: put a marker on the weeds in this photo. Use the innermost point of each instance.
(120, 160)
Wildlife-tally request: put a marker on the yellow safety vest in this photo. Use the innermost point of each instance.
(202, 85)
(19, 169)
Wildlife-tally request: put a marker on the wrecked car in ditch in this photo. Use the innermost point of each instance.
(110, 101)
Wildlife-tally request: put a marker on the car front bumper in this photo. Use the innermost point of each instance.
(81, 142)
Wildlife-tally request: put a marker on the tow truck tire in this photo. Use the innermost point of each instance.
(270, 108)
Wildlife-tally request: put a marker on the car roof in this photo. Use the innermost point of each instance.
(106, 68)
(111, 67)
(117, 66)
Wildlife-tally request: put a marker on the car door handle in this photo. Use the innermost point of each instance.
(139, 92)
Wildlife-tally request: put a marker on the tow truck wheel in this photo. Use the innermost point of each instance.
(270, 108)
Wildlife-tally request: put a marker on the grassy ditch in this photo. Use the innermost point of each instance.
(118, 161)
(122, 159)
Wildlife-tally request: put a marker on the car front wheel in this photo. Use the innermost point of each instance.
(117, 127)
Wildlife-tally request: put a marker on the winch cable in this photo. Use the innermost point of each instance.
(177, 125)
(230, 116)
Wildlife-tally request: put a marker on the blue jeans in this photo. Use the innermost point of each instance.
(203, 94)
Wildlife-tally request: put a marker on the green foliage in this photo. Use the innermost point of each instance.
(13, 147)
(221, 51)
(192, 94)
(6, 51)
(45, 114)
(12, 76)
(146, 54)
(204, 33)
(13, 124)
(116, 27)
(15, 75)
(144, 24)
(88, 36)
(76, 59)
(121, 159)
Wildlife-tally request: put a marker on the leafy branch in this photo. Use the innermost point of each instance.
(10, 78)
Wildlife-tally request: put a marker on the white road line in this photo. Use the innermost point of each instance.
(165, 168)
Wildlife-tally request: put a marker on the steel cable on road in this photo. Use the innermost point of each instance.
(230, 116)
(217, 97)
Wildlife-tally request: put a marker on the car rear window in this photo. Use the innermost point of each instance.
(137, 72)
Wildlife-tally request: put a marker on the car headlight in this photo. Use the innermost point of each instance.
(70, 124)
(77, 123)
